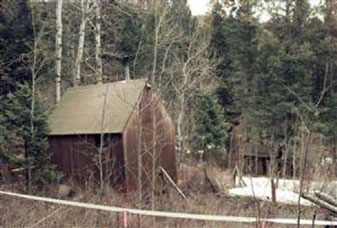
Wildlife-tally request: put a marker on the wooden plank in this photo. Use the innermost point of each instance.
(172, 183)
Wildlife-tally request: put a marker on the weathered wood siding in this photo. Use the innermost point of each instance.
(71, 155)
(166, 141)
(149, 133)
(76, 157)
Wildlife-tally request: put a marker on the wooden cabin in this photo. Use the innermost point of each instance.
(123, 121)
(254, 158)
(257, 162)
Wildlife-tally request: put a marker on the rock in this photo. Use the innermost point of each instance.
(212, 179)
(65, 191)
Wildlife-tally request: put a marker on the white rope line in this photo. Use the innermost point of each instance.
(220, 218)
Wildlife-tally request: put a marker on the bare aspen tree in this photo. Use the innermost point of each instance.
(331, 22)
(98, 52)
(32, 109)
(157, 23)
(294, 158)
(195, 69)
(140, 159)
(102, 142)
(35, 67)
(59, 31)
(160, 19)
(81, 39)
(101, 152)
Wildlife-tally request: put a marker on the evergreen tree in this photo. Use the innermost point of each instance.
(125, 39)
(234, 44)
(23, 135)
(16, 40)
(17, 122)
(283, 82)
(211, 128)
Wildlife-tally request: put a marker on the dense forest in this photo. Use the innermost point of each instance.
(229, 79)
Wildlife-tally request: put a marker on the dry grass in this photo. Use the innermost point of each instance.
(24, 213)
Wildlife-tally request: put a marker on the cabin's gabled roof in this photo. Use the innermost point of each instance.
(80, 110)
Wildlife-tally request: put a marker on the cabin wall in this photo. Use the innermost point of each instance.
(117, 161)
(77, 157)
(132, 148)
(71, 155)
(166, 141)
(149, 133)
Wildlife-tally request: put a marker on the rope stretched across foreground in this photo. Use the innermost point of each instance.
(219, 218)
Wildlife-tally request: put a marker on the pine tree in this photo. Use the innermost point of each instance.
(15, 43)
(24, 128)
(211, 128)
(234, 44)
(16, 121)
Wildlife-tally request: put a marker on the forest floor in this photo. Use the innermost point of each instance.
(16, 212)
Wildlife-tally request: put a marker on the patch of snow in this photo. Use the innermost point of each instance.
(282, 196)
(286, 192)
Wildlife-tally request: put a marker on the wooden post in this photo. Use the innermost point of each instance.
(117, 219)
(264, 224)
(273, 191)
(125, 219)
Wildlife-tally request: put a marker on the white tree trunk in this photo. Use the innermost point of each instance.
(98, 43)
(32, 106)
(127, 72)
(59, 30)
(158, 22)
(102, 142)
(180, 123)
(81, 39)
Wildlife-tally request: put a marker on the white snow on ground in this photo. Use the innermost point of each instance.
(282, 196)
(260, 187)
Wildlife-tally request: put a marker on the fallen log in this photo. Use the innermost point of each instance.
(327, 198)
(320, 203)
